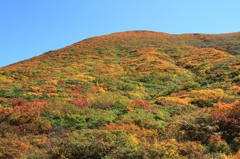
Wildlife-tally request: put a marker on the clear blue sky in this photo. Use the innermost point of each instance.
(31, 27)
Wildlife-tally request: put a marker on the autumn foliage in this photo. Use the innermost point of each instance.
(137, 94)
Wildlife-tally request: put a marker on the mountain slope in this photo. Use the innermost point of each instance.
(167, 92)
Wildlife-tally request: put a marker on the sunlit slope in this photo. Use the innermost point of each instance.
(136, 94)
(132, 58)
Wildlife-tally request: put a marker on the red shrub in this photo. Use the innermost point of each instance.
(80, 102)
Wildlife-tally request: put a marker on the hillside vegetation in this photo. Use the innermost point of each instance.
(137, 94)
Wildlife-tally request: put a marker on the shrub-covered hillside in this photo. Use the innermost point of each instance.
(137, 94)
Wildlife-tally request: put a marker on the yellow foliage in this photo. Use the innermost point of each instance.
(156, 143)
(130, 109)
(32, 94)
(132, 139)
(135, 95)
(100, 90)
(35, 88)
(169, 148)
(235, 89)
(54, 82)
(176, 100)
(63, 94)
(2, 79)
(207, 95)
(84, 77)
(24, 78)
(52, 95)
(236, 156)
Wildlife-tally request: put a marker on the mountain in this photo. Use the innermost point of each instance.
(136, 94)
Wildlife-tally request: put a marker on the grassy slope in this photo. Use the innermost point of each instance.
(161, 94)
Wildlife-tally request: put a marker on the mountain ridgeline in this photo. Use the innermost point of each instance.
(136, 94)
